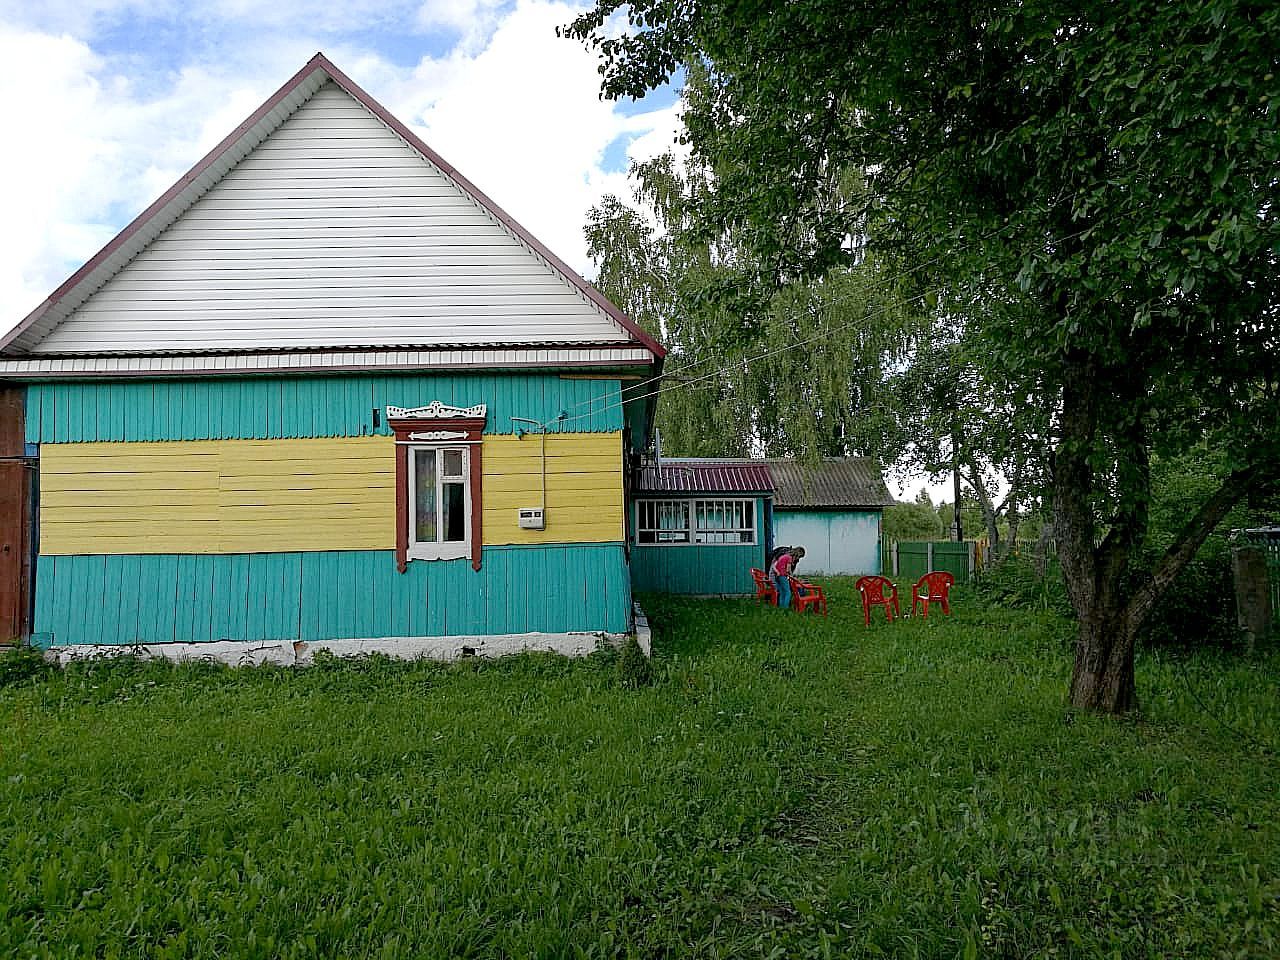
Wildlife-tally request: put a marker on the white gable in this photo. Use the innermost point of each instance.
(332, 232)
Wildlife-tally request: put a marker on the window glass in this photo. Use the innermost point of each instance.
(696, 521)
(455, 517)
(452, 463)
(424, 496)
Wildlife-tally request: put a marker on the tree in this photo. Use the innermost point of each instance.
(1109, 169)
(764, 360)
(912, 521)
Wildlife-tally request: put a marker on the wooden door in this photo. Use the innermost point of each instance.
(17, 484)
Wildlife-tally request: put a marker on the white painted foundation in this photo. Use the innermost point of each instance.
(299, 653)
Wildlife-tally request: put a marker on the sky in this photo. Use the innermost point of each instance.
(111, 101)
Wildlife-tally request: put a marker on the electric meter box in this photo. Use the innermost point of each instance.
(531, 518)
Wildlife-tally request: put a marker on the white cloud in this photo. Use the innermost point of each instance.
(101, 132)
(523, 120)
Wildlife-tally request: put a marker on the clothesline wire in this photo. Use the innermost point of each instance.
(884, 283)
(745, 361)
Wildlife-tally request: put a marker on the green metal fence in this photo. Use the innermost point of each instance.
(913, 559)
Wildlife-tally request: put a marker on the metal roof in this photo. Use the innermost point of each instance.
(832, 483)
(705, 476)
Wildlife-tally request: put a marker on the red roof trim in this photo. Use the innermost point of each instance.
(321, 62)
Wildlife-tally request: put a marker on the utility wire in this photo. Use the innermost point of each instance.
(991, 235)
(824, 335)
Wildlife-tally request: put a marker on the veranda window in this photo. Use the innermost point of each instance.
(724, 521)
(696, 521)
(663, 521)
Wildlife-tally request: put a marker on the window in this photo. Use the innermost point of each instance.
(663, 521)
(712, 522)
(438, 479)
(439, 503)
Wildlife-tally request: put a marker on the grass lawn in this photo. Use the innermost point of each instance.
(788, 787)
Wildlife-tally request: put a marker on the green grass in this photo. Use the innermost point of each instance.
(787, 786)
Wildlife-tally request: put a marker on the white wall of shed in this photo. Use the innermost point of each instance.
(835, 542)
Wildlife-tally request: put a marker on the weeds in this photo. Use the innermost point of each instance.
(787, 786)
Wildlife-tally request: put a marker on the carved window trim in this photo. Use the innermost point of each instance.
(438, 426)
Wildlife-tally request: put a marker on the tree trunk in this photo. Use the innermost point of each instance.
(990, 518)
(1102, 678)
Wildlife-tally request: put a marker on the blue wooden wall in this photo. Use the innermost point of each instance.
(320, 596)
(264, 408)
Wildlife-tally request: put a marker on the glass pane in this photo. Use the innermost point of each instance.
(455, 517)
(452, 463)
(424, 496)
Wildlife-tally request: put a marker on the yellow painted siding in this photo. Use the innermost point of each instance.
(278, 496)
(217, 496)
(584, 487)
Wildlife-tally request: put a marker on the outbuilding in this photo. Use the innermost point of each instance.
(698, 526)
(834, 509)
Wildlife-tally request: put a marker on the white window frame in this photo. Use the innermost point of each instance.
(438, 549)
(695, 536)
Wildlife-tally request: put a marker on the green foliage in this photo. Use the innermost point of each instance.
(20, 664)
(1092, 185)
(1199, 608)
(792, 786)
(634, 668)
(911, 521)
(759, 358)
(1016, 584)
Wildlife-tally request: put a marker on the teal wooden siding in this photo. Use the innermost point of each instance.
(834, 541)
(265, 408)
(698, 569)
(322, 596)
(695, 569)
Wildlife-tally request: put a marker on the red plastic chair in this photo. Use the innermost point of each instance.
(935, 587)
(806, 595)
(878, 592)
(765, 590)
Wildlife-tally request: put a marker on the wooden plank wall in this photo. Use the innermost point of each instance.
(321, 596)
(281, 496)
(16, 479)
(264, 408)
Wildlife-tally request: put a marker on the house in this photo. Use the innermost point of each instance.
(698, 526)
(323, 390)
(834, 509)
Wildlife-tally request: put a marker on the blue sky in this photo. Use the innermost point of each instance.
(113, 100)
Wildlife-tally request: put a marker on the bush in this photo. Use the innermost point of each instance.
(634, 668)
(911, 521)
(1016, 584)
(22, 663)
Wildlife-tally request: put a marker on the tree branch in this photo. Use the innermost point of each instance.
(1188, 541)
